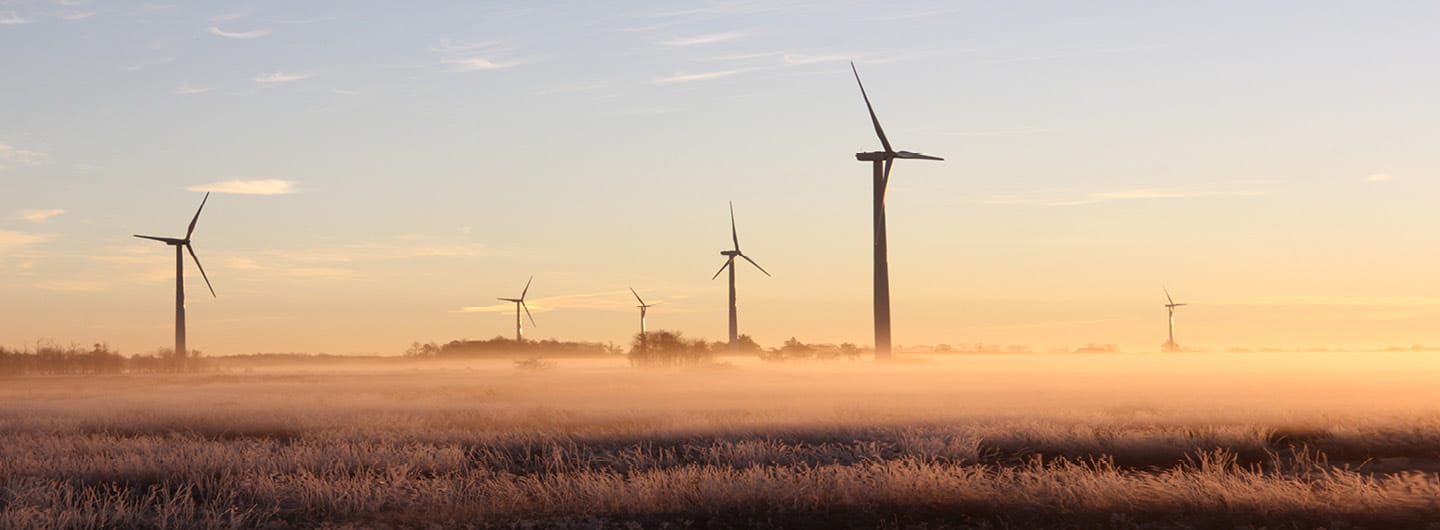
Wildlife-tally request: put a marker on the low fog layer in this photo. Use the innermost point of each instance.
(1265, 387)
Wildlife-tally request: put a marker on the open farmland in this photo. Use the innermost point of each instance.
(1002, 441)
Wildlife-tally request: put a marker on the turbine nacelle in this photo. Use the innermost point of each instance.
(889, 154)
(185, 242)
(731, 253)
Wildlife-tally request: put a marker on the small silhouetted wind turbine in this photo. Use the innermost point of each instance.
(881, 161)
(519, 304)
(181, 246)
(730, 263)
(643, 306)
(1170, 345)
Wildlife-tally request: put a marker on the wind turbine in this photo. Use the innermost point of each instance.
(520, 303)
(1170, 345)
(643, 306)
(730, 263)
(881, 161)
(181, 246)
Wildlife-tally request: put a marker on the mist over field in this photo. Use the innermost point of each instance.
(1280, 439)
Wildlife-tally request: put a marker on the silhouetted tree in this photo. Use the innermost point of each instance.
(417, 350)
(668, 348)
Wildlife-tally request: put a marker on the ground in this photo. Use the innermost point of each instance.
(1275, 440)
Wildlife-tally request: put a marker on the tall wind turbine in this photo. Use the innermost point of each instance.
(643, 306)
(519, 304)
(1170, 344)
(730, 263)
(881, 161)
(181, 246)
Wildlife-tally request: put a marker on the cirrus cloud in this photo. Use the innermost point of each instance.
(281, 77)
(686, 78)
(11, 156)
(39, 216)
(253, 34)
(702, 39)
(475, 64)
(248, 187)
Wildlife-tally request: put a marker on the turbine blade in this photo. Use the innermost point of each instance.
(916, 156)
(722, 267)
(527, 313)
(878, 131)
(637, 296)
(1167, 295)
(527, 287)
(509, 299)
(202, 269)
(757, 265)
(191, 230)
(734, 235)
(166, 240)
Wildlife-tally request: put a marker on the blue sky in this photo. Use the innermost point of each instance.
(386, 170)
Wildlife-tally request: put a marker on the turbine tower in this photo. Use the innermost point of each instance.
(881, 161)
(1170, 345)
(181, 246)
(730, 263)
(643, 306)
(519, 304)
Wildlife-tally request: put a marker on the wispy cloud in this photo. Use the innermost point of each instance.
(475, 64)
(39, 216)
(1077, 199)
(467, 56)
(1379, 177)
(252, 34)
(11, 156)
(739, 56)
(186, 89)
(12, 19)
(456, 46)
(281, 77)
(11, 240)
(249, 187)
(78, 15)
(686, 78)
(697, 40)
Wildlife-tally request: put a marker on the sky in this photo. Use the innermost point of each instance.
(381, 171)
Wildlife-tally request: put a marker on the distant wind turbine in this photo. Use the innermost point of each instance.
(181, 246)
(730, 263)
(882, 160)
(519, 304)
(643, 306)
(1170, 345)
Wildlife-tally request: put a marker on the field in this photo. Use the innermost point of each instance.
(1277, 440)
